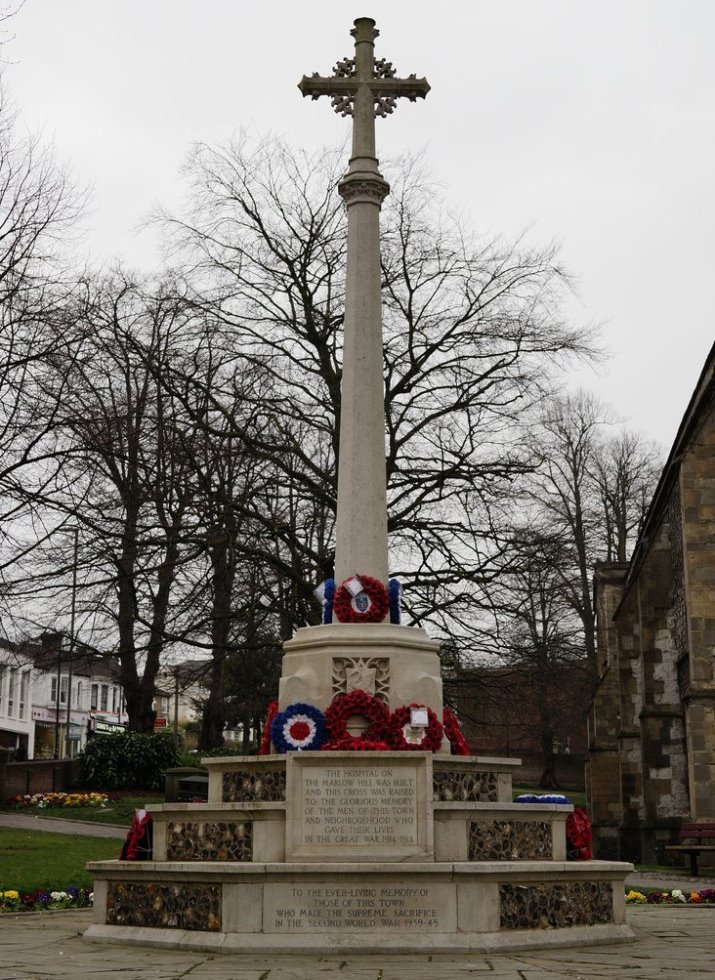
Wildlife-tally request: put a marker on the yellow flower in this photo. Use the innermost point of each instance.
(11, 894)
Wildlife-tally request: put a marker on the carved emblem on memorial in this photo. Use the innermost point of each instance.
(369, 674)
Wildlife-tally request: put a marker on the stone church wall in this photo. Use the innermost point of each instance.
(652, 720)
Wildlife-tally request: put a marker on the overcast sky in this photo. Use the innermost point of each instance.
(589, 124)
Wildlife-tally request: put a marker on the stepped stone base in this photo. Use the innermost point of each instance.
(320, 851)
(398, 908)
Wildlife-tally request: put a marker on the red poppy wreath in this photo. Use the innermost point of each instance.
(348, 705)
(368, 606)
(398, 738)
(454, 733)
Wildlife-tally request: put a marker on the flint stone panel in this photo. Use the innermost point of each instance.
(555, 905)
(510, 840)
(187, 906)
(262, 786)
(209, 841)
(458, 786)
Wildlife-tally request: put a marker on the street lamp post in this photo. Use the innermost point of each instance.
(72, 643)
(57, 698)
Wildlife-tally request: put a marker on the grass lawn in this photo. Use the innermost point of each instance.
(31, 859)
(120, 812)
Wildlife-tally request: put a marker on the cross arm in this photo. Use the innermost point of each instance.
(408, 88)
(317, 85)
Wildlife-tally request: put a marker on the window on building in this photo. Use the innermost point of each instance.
(78, 695)
(2, 688)
(93, 692)
(11, 692)
(114, 699)
(24, 690)
(104, 698)
(64, 689)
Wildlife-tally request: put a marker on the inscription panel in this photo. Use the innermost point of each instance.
(358, 806)
(353, 808)
(361, 907)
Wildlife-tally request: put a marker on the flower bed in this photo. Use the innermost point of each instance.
(705, 896)
(47, 801)
(70, 898)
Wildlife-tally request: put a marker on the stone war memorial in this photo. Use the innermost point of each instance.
(365, 824)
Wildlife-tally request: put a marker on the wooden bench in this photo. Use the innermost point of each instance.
(695, 832)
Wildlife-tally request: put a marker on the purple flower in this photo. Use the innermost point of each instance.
(73, 892)
(42, 898)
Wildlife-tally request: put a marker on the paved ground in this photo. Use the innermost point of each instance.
(56, 825)
(673, 944)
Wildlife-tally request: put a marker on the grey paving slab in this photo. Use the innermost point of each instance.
(56, 825)
(673, 944)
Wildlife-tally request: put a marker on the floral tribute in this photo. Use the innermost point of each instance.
(265, 747)
(369, 606)
(70, 898)
(328, 597)
(299, 727)
(453, 731)
(345, 706)
(47, 801)
(705, 896)
(304, 727)
(400, 730)
(394, 590)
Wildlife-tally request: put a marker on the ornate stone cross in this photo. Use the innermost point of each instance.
(363, 87)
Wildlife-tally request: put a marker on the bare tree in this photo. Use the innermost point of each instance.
(473, 342)
(39, 206)
(592, 489)
(126, 473)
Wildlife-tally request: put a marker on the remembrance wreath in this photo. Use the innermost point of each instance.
(454, 733)
(344, 706)
(431, 741)
(265, 748)
(347, 607)
(299, 727)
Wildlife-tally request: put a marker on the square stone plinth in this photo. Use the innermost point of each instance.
(353, 806)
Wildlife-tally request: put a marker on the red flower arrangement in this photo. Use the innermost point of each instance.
(351, 744)
(265, 748)
(374, 597)
(348, 705)
(400, 719)
(453, 731)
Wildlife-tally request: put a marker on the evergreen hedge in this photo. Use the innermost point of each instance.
(131, 760)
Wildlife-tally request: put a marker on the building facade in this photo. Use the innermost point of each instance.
(17, 730)
(651, 762)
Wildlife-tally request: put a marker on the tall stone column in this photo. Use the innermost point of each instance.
(363, 88)
(361, 533)
(398, 664)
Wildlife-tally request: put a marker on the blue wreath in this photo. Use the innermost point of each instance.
(328, 596)
(319, 737)
(393, 592)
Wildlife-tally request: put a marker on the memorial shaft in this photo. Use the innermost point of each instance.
(362, 87)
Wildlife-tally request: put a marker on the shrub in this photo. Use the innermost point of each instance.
(131, 760)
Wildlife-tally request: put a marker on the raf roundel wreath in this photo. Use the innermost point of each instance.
(359, 703)
(369, 606)
(298, 728)
(398, 738)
